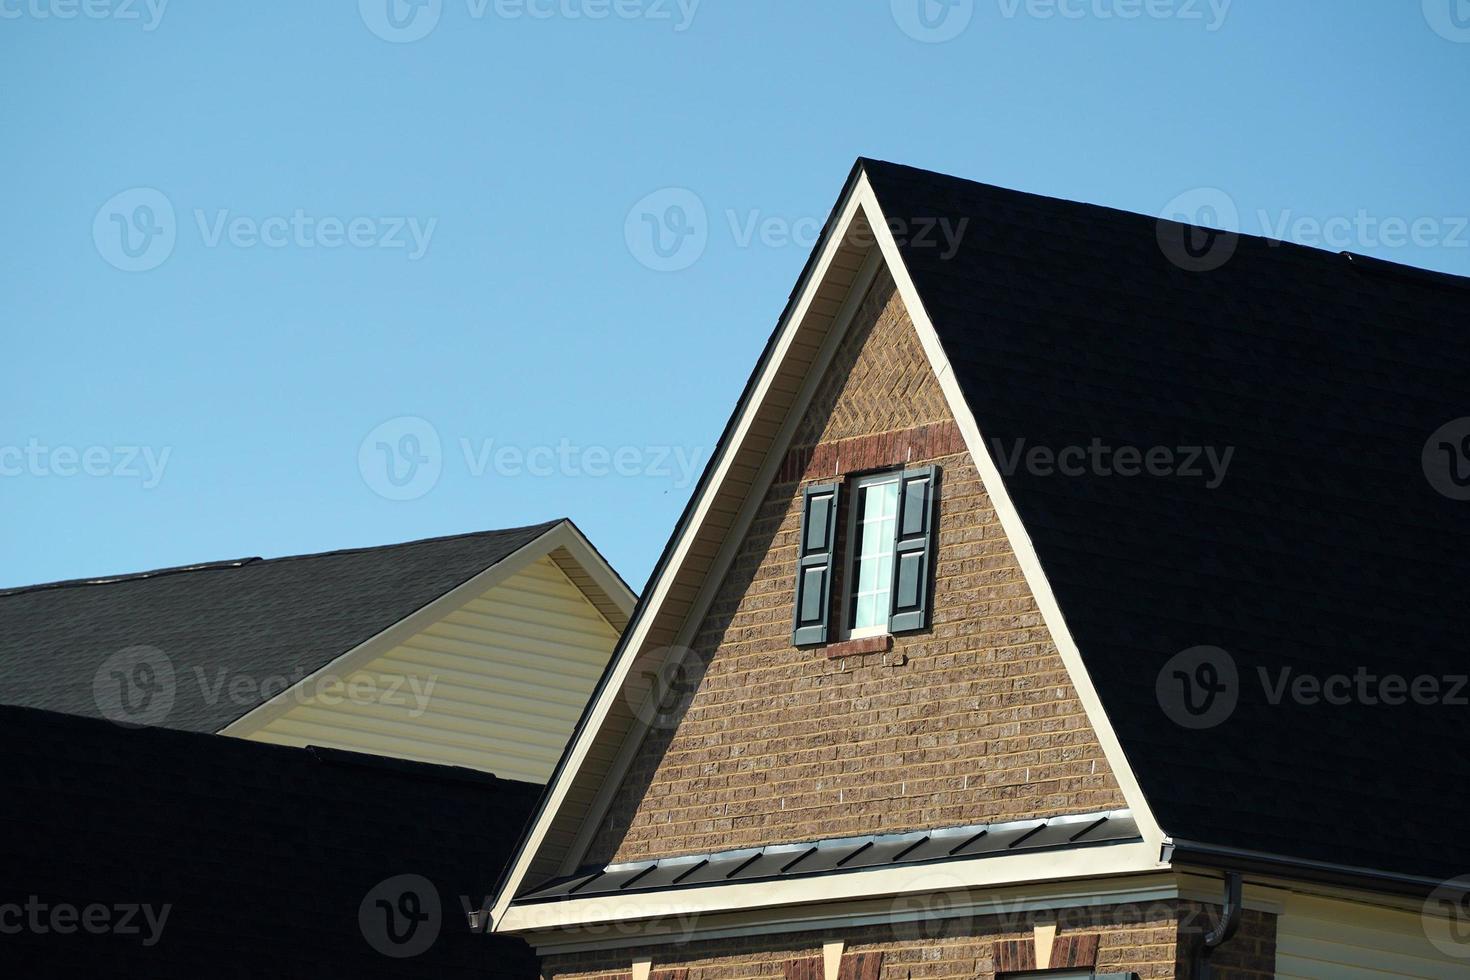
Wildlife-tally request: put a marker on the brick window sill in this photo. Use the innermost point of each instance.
(866, 646)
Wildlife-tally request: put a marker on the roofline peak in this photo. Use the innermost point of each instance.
(235, 563)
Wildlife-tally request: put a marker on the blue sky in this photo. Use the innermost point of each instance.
(255, 252)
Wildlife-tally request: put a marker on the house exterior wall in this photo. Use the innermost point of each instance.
(496, 685)
(1323, 939)
(970, 720)
(1249, 955)
(1149, 939)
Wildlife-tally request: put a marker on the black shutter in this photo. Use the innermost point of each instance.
(814, 556)
(914, 548)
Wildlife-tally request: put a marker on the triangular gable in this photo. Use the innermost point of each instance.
(252, 624)
(856, 243)
(491, 675)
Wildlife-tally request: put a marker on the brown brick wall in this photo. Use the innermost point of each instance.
(1249, 955)
(1142, 939)
(972, 720)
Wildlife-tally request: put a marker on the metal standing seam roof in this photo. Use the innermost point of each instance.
(843, 854)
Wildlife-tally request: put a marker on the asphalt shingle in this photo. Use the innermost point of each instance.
(1326, 550)
(262, 623)
(253, 860)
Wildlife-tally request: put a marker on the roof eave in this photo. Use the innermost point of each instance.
(1185, 854)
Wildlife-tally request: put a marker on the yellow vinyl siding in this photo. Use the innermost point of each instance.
(1321, 939)
(510, 671)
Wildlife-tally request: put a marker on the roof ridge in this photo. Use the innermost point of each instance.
(1370, 265)
(236, 563)
(129, 576)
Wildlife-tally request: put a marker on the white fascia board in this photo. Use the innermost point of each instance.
(1210, 890)
(1140, 891)
(1010, 519)
(563, 535)
(978, 883)
(570, 537)
(658, 590)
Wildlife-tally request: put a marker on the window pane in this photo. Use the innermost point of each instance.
(884, 574)
(890, 499)
(877, 515)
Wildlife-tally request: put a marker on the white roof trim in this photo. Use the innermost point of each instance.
(1006, 900)
(688, 929)
(563, 535)
(859, 200)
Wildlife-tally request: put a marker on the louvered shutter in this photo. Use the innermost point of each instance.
(814, 564)
(914, 548)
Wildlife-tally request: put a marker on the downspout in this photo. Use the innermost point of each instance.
(1221, 934)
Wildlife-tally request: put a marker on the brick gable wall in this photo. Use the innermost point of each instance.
(971, 720)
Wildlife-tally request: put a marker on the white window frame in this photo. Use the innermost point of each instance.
(849, 581)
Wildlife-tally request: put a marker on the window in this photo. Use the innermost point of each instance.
(889, 555)
(870, 558)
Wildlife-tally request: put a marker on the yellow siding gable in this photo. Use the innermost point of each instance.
(496, 684)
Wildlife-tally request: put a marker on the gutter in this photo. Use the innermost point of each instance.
(1232, 859)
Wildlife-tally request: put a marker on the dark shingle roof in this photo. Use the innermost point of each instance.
(1325, 550)
(264, 855)
(268, 621)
